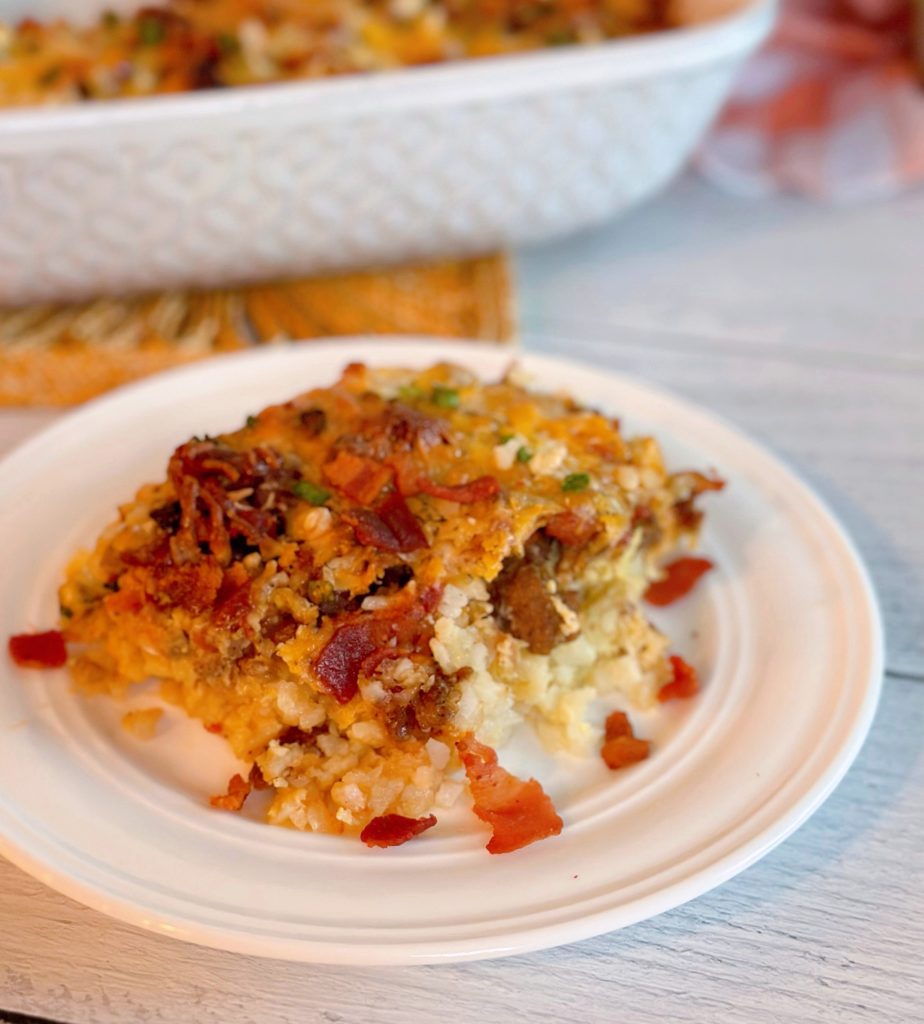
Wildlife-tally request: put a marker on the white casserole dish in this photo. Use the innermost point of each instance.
(276, 180)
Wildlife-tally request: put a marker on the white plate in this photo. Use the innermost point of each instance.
(786, 634)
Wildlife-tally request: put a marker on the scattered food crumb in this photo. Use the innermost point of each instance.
(142, 724)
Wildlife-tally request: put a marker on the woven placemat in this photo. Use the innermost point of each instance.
(60, 355)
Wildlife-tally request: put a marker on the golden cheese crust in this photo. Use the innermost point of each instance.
(185, 45)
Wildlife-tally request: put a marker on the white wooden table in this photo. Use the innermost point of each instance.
(806, 327)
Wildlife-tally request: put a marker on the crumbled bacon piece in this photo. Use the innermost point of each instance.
(430, 598)
(359, 478)
(406, 466)
(339, 663)
(38, 650)
(684, 684)
(232, 602)
(623, 751)
(617, 724)
(400, 626)
(391, 526)
(620, 745)
(681, 577)
(256, 779)
(394, 829)
(402, 522)
(214, 727)
(210, 480)
(572, 527)
(518, 812)
(481, 489)
(238, 791)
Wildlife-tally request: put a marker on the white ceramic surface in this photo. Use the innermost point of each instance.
(260, 182)
(785, 632)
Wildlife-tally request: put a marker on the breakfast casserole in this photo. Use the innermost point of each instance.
(367, 589)
(187, 45)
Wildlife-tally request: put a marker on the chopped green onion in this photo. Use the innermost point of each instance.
(310, 492)
(575, 482)
(66, 613)
(504, 438)
(445, 398)
(110, 19)
(227, 42)
(151, 31)
(410, 392)
(562, 38)
(524, 454)
(252, 421)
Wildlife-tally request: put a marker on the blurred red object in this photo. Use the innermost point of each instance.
(832, 107)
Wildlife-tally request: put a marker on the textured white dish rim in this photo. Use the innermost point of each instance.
(417, 86)
(27, 849)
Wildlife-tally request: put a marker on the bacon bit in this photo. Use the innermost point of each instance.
(572, 527)
(623, 751)
(402, 522)
(518, 812)
(359, 478)
(620, 745)
(682, 576)
(233, 800)
(407, 473)
(204, 474)
(255, 778)
(38, 650)
(394, 829)
(392, 526)
(400, 626)
(684, 684)
(214, 727)
(370, 530)
(618, 724)
(482, 489)
(232, 602)
(430, 598)
(339, 663)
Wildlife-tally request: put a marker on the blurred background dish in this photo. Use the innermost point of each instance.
(305, 177)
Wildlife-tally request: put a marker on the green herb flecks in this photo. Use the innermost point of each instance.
(445, 398)
(228, 43)
(310, 492)
(151, 31)
(576, 482)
